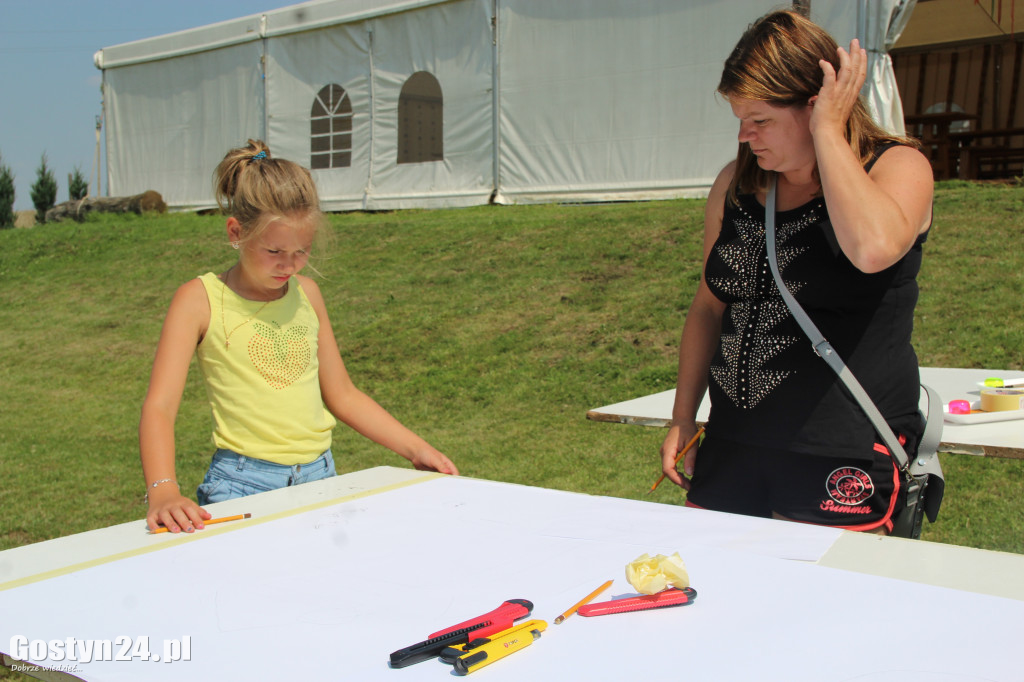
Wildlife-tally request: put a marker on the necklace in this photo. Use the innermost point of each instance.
(223, 317)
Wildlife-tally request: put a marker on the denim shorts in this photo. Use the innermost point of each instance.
(233, 475)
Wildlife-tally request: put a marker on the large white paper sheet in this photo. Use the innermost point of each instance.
(329, 593)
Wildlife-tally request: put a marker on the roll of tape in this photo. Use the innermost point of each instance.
(1002, 399)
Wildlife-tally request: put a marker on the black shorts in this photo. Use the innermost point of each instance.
(850, 493)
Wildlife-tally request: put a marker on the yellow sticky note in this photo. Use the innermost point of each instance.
(649, 574)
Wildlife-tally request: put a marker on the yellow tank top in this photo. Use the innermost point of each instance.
(259, 363)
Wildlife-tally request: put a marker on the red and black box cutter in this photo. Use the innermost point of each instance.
(497, 620)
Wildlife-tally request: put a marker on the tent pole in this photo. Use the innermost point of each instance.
(371, 76)
(495, 105)
(263, 77)
(96, 163)
(862, 23)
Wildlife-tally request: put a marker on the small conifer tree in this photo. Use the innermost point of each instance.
(44, 191)
(6, 197)
(78, 186)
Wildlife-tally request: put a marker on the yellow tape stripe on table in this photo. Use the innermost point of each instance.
(211, 532)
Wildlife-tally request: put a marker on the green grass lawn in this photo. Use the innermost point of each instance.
(490, 331)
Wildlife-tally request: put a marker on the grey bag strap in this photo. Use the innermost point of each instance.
(929, 444)
(933, 430)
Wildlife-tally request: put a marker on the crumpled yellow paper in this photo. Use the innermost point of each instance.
(649, 574)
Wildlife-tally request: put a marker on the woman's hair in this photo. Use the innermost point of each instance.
(777, 61)
(256, 189)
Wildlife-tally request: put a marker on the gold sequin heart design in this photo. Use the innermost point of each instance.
(280, 355)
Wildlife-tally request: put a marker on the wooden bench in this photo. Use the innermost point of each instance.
(987, 162)
(986, 154)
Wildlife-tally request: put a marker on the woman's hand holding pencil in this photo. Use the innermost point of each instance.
(670, 460)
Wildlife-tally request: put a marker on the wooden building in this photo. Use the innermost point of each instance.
(959, 67)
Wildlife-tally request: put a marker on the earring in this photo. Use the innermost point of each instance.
(234, 245)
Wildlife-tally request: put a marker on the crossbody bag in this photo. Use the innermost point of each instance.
(924, 483)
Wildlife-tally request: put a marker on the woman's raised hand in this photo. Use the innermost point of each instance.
(839, 91)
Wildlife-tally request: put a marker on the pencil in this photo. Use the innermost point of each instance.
(583, 601)
(236, 517)
(679, 457)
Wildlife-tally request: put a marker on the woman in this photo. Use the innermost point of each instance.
(783, 439)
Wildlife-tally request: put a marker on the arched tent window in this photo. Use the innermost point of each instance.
(330, 127)
(420, 120)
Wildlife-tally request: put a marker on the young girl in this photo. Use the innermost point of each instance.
(273, 373)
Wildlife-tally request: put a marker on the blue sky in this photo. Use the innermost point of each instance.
(49, 87)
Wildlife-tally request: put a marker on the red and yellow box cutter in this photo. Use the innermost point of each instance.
(489, 623)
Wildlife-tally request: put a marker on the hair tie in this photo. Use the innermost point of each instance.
(256, 157)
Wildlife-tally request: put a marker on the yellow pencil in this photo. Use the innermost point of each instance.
(558, 621)
(236, 517)
(679, 457)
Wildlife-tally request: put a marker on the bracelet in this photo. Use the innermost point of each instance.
(156, 483)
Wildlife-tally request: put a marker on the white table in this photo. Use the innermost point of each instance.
(998, 439)
(326, 579)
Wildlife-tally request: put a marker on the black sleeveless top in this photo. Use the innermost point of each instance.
(767, 386)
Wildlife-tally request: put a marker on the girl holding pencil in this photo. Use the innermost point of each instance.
(273, 373)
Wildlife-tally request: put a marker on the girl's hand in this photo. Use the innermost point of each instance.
(433, 460)
(171, 509)
(839, 92)
(674, 442)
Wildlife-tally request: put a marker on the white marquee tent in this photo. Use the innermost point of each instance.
(437, 103)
